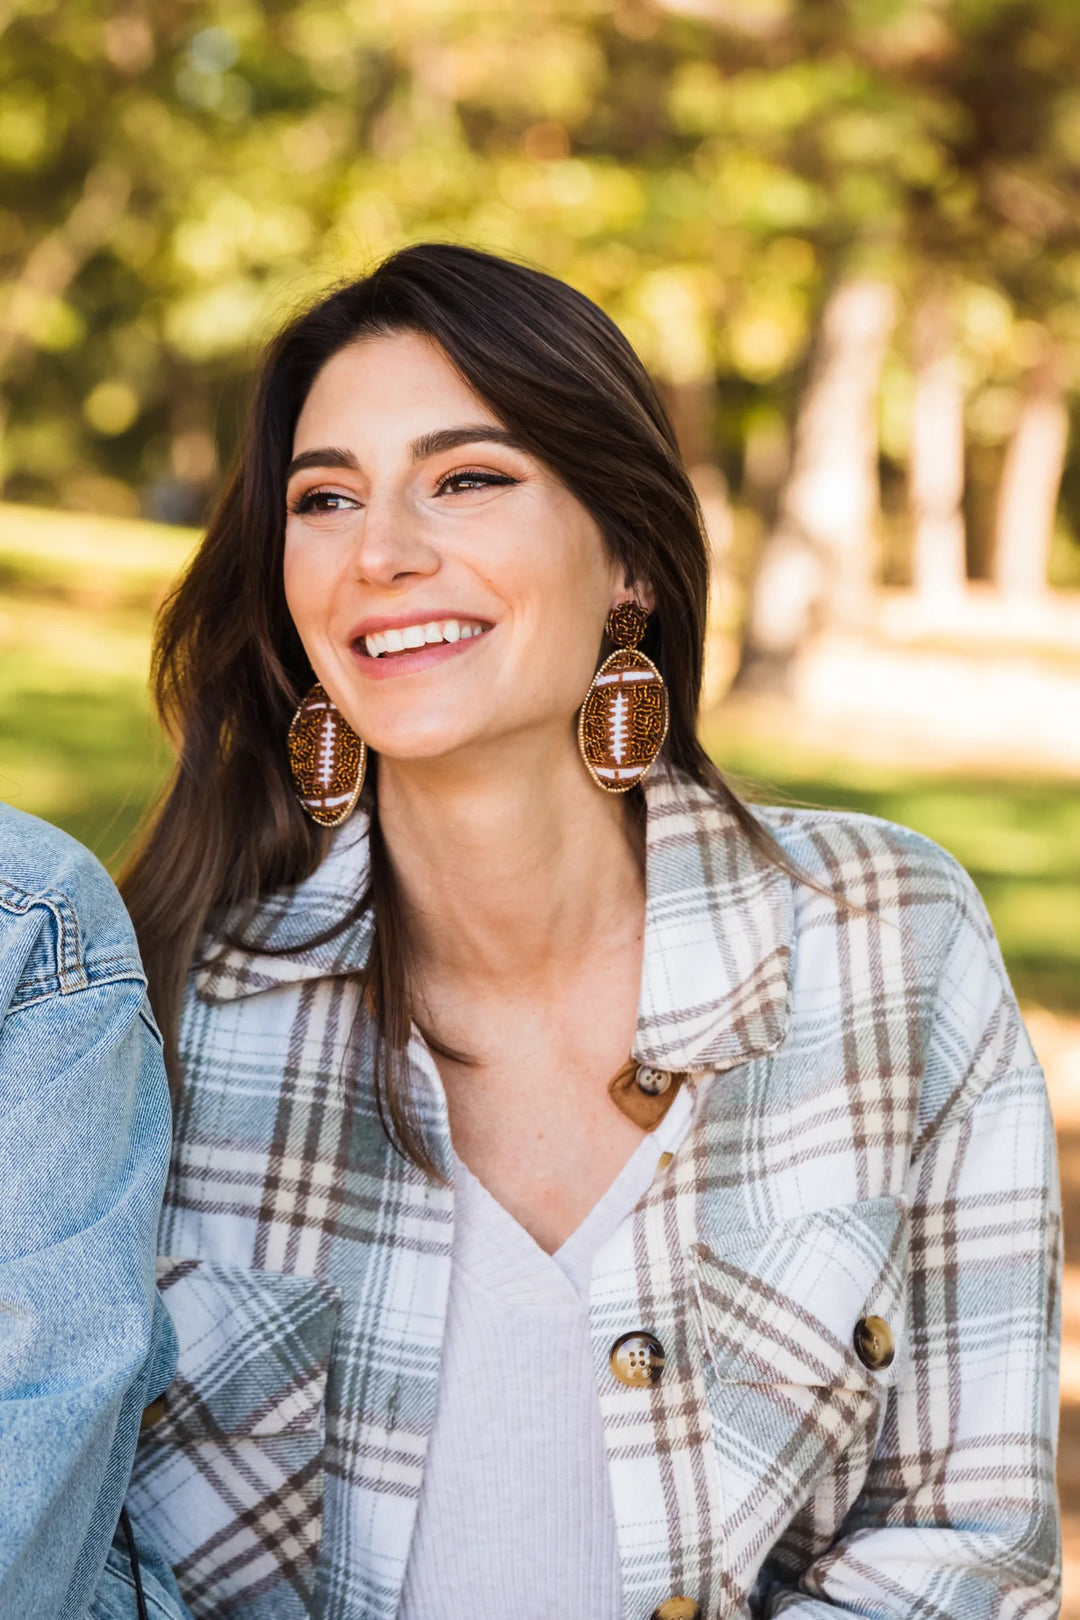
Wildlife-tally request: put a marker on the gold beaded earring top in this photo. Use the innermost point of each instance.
(624, 718)
(626, 624)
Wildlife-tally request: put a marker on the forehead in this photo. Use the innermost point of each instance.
(396, 386)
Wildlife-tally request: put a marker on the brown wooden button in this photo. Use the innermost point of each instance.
(646, 1107)
(153, 1413)
(637, 1359)
(874, 1343)
(677, 1608)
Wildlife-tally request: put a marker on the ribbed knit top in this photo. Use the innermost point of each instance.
(515, 1514)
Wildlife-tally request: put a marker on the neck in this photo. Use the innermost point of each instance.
(512, 867)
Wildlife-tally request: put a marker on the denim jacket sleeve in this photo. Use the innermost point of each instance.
(84, 1146)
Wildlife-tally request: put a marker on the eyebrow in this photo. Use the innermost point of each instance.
(328, 456)
(434, 444)
(428, 444)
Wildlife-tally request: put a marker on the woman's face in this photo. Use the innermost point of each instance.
(449, 591)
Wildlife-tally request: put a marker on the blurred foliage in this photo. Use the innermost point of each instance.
(80, 747)
(176, 176)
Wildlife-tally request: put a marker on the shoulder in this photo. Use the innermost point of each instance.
(846, 861)
(866, 861)
(916, 893)
(914, 923)
(40, 861)
(59, 906)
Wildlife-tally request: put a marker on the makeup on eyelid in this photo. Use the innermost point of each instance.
(304, 505)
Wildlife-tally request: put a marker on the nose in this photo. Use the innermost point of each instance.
(391, 547)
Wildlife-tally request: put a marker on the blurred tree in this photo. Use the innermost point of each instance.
(175, 176)
(936, 464)
(1030, 481)
(816, 565)
(56, 259)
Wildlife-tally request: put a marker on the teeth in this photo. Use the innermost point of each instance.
(419, 635)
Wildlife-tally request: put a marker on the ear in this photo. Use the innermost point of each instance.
(636, 590)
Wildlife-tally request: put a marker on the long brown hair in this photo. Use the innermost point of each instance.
(229, 667)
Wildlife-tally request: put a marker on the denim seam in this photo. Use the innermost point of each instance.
(93, 970)
(70, 970)
(151, 1026)
(52, 987)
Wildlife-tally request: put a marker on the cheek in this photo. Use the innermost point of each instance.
(564, 646)
(554, 567)
(565, 610)
(308, 589)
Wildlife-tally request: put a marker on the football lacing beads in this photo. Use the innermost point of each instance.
(327, 759)
(624, 718)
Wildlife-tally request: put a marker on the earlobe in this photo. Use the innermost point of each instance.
(636, 590)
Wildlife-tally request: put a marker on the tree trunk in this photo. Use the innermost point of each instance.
(54, 262)
(1030, 480)
(817, 564)
(936, 467)
(712, 492)
(692, 409)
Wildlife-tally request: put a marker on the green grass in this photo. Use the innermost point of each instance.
(77, 596)
(78, 745)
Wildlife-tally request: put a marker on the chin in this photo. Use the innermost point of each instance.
(414, 748)
(413, 731)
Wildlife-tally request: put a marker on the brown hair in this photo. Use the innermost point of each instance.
(229, 667)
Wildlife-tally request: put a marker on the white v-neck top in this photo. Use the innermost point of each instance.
(515, 1513)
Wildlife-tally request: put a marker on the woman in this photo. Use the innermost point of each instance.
(588, 1195)
(84, 1147)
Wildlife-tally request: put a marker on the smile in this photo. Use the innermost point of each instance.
(411, 637)
(389, 650)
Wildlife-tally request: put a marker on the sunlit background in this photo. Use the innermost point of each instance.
(844, 234)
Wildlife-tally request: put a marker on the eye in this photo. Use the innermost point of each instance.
(322, 500)
(471, 478)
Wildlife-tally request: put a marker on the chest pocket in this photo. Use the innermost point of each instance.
(796, 1324)
(229, 1471)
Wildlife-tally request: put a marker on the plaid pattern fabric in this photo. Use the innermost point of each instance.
(871, 1137)
(241, 1441)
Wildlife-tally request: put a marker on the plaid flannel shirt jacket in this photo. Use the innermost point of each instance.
(871, 1136)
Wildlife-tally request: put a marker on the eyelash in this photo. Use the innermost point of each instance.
(308, 501)
(477, 474)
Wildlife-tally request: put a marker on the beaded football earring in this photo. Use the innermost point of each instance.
(624, 718)
(327, 759)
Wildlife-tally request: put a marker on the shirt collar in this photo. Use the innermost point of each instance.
(719, 922)
(275, 951)
(718, 933)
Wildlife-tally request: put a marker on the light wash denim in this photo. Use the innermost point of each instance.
(84, 1149)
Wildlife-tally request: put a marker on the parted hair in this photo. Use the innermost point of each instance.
(229, 667)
